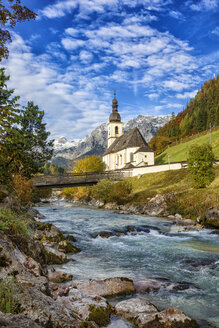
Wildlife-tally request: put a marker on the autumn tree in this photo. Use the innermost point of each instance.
(200, 162)
(11, 13)
(90, 164)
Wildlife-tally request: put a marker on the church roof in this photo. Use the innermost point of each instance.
(131, 138)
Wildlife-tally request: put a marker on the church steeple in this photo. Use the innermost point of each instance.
(115, 124)
(114, 116)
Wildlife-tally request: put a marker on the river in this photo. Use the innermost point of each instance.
(154, 248)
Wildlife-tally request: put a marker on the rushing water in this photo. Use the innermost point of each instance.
(162, 250)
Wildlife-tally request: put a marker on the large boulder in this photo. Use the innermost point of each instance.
(95, 309)
(145, 315)
(132, 308)
(212, 217)
(107, 287)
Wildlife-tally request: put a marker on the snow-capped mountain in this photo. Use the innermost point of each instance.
(96, 143)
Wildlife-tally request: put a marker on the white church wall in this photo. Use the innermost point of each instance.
(154, 168)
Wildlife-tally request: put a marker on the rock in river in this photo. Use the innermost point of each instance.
(145, 315)
(107, 287)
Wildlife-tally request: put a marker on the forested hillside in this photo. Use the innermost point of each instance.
(200, 113)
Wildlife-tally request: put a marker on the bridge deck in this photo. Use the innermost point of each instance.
(73, 179)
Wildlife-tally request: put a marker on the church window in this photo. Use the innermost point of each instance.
(120, 159)
(116, 130)
(131, 157)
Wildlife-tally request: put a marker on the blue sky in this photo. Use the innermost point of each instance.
(155, 53)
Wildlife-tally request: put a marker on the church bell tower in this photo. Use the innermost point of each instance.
(115, 124)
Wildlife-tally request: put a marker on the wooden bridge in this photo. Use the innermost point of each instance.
(75, 180)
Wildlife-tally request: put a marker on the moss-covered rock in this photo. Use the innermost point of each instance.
(55, 257)
(212, 217)
(66, 247)
(100, 315)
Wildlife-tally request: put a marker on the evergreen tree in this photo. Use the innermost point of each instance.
(37, 149)
(23, 137)
(10, 136)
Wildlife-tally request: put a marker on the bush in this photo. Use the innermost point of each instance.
(108, 191)
(121, 193)
(9, 292)
(200, 162)
(77, 193)
(103, 190)
(22, 189)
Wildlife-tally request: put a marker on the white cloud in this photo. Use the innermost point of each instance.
(203, 5)
(72, 44)
(187, 95)
(176, 14)
(85, 7)
(168, 106)
(216, 31)
(85, 56)
(69, 99)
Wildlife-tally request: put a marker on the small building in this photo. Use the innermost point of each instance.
(126, 150)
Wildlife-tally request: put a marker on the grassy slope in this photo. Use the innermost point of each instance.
(189, 202)
(180, 151)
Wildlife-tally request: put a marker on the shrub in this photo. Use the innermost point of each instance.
(9, 292)
(22, 188)
(103, 190)
(78, 193)
(200, 162)
(121, 193)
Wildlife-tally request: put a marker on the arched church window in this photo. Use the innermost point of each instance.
(116, 130)
(131, 157)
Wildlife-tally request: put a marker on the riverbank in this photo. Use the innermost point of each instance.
(164, 194)
(33, 294)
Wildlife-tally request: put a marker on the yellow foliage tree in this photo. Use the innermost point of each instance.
(90, 164)
(23, 189)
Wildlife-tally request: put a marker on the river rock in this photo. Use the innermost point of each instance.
(170, 318)
(107, 287)
(130, 309)
(110, 206)
(145, 315)
(150, 285)
(54, 256)
(44, 310)
(58, 276)
(212, 217)
(94, 309)
(59, 290)
(66, 247)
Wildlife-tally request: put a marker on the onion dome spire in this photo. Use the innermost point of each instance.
(114, 116)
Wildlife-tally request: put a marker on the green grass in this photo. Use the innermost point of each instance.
(180, 152)
(11, 223)
(188, 201)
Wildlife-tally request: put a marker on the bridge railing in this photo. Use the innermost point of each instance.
(76, 178)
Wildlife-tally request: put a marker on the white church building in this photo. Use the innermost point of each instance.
(126, 150)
